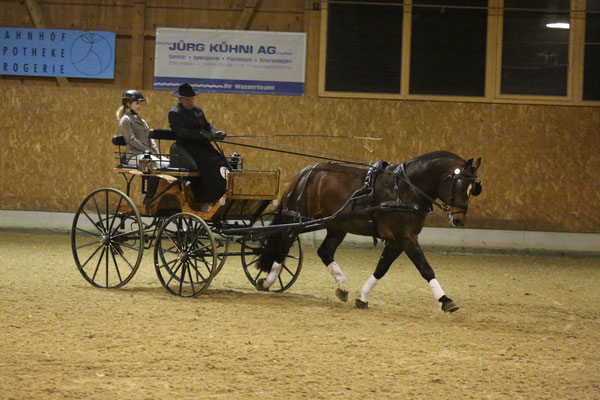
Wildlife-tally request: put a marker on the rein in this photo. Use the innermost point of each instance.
(296, 153)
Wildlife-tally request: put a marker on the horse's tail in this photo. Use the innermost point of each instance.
(273, 244)
(277, 245)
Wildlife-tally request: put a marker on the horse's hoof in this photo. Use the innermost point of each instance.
(260, 285)
(449, 306)
(342, 294)
(362, 304)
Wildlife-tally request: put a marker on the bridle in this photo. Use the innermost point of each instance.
(447, 196)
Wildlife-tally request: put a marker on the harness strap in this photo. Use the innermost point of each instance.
(369, 186)
(307, 170)
(400, 172)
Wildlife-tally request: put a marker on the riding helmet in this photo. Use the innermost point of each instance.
(132, 95)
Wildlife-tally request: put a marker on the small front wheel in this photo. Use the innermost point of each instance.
(184, 255)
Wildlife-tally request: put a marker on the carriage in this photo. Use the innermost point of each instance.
(191, 240)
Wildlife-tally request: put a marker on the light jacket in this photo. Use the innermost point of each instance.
(137, 135)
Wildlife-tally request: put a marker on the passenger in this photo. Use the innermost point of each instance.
(137, 137)
(194, 133)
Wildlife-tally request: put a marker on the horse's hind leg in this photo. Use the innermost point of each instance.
(390, 253)
(280, 249)
(414, 252)
(326, 252)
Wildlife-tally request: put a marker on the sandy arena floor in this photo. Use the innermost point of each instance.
(529, 328)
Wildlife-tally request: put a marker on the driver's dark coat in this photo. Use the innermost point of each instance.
(193, 132)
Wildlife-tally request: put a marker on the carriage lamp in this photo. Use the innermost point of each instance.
(146, 164)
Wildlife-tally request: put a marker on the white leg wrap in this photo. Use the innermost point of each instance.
(337, 273)
(273, 274)
(436, 289)
(368, 288)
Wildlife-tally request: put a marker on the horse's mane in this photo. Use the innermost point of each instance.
(435, 155)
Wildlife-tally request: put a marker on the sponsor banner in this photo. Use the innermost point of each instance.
(55, 52)
(230, 61)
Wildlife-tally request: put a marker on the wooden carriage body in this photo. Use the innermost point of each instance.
(190, 239)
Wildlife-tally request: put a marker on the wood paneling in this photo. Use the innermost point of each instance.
(540, 163)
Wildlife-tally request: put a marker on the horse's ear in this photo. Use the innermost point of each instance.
(477, 163)
(468, 164)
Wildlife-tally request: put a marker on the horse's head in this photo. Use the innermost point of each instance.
(457, 187)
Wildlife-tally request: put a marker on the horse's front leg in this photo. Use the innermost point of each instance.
(414, 252)
(391, 251)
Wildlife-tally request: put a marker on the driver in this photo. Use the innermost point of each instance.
(194, 133)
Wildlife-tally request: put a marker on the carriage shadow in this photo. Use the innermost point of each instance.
(229, 296)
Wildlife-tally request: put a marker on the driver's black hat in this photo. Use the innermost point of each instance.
(185, 90)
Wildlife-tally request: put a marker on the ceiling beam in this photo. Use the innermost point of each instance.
(38, 21)
(245, 18)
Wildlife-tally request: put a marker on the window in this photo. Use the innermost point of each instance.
(591, 66)
(501, 51)
(448, 47)
(535, 54)
(364, 46)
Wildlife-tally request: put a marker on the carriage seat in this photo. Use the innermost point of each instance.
(180, 158)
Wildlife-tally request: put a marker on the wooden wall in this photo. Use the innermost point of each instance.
(540, 163)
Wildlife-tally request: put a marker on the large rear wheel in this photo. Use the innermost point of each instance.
(251, 249)
(184, 255)
(107, 238)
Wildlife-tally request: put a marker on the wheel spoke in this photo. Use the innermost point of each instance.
(99, 261)
(107, 251)
(287, 269)
(107, 217)
(88, 232)
(195, 251)
(178, 246)
(257, 275)
(198, 232)
(112, 223)
(173, 273)
(116, 267)
(124, 259)
(93, 254)
(198, 273)
(128, 246)
(120, 235)
(183, 268)
(92, 221)
(87, 244)
(191, 280)
(98, 212)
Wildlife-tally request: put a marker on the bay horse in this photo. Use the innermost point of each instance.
(388, 202)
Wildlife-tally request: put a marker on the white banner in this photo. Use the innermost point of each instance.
(230, 61)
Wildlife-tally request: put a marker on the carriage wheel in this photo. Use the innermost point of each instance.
(184, 255)
(251, 250)
(107, 238)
